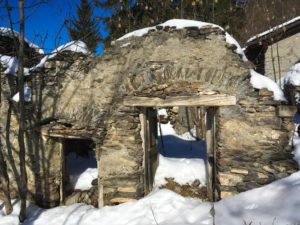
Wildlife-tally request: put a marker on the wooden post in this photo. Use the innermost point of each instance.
(101, 194)
(210, 143)
(62, 172)
(143, 122)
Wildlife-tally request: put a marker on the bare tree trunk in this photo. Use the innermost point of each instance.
(23, 175)
(4, 180)
(5, 183)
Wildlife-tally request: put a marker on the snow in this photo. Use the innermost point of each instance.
(292, 76)
(82, 171)
(7, 32)
(183, 23)
(259, 81)
(74, 46)
(182, 153)
(10, 63)
(273, 29)
(190, 170)
(277, 203)
(27, 95)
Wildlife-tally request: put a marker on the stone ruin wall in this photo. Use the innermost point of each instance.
(87, 94)
(253, 143)
(288, 52)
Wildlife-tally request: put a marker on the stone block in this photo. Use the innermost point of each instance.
(286, 110)
(265, 92)
(127, 189)
(230, 179)
(225, 194)
(239, 171)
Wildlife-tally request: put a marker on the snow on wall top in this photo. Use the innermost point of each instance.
(292, 76)
(273, 29)
(74, 46)
(259, 81)
(183, 23)
(7, 32)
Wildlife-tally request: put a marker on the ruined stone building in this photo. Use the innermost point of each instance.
(108, 105)
(274, 51)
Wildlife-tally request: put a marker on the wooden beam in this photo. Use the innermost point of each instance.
(202, 100)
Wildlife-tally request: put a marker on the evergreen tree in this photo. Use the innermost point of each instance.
(84, 27)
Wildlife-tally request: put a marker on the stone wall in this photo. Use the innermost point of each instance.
(288, 51)
(78, 96)
(253, 143)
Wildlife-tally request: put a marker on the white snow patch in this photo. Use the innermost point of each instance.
(125, 45)
(292, 76)
(7, 32)
(296, 145)
(162, 112)
(11, 65)
(74, 46)
(184, 171)
(276, 203)
(185, 162)
(273, 29)
(82, 171)
(27, 95)
(259, 81)
(183, 23)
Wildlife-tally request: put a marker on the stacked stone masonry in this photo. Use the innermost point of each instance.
(76, 96)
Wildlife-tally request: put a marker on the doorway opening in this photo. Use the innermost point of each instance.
(206, 108)
(79, 167)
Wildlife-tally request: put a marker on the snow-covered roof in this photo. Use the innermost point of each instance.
(7, 32)
(274, 29)
(183, 23)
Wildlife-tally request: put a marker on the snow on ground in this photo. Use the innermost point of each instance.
(74, 46)
(7, 32)
(277, 203)
(182, 23)
(190, 170)
(259, 81)
(274, 29)
(82, 171)
(182, 153)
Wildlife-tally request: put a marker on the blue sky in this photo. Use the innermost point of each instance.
(46, 21)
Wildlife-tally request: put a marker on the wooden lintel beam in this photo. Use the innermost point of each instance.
(201, 100)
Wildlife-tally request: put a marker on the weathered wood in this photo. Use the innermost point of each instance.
(62, 173)
(210, 143)
(202, 100)
(144, 145)
(101, 194)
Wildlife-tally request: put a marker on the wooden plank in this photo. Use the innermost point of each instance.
(210, 143)
(62, 172)
(144, 146)
(202, 100)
